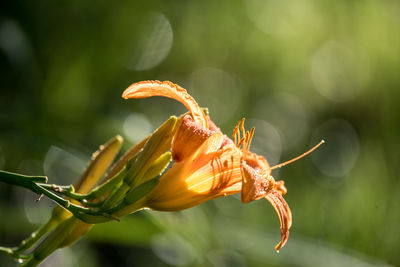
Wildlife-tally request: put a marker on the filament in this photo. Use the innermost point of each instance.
(296, 158)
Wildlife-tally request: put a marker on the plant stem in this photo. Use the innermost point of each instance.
(66, 190)
(35, 236)
(34, 183)
(21, 180)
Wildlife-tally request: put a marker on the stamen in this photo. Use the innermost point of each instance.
(242, 127)
(299, 157)
(236, 132)
(250, 138)
(240, 142)
(246, 140)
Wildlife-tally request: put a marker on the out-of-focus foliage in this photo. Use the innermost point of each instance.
(299, 71)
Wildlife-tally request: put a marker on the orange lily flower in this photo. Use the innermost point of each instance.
(208, 164)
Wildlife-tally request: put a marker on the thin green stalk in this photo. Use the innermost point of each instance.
(21, 180)
(51, 243)
(66, 190)
(33, 183)
(35, 236)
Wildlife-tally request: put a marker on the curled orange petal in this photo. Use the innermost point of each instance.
(167, 89)
(284, 214)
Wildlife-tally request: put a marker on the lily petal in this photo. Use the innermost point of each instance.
(254, 185)
(167, 89)
(257, 162)
(212, 144)
(209, 173)
(284, 214)
(188, 138)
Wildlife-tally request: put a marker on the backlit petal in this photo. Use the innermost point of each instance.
(284, 214)
(188, 138)
(255, 185)
(208, 174)
(167, 89)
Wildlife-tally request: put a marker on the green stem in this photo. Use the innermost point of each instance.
(35, 236)
(34, 183)
(21, 180)
(51, 243)
(8, 251)
(66, 190)
(16, 256)
(31, 183)
(116, 196)
(98, 194)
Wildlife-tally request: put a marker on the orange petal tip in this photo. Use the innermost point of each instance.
(167, 89)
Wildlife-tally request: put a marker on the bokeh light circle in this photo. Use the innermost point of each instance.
(335, 72)
(267, 140)
(173, 249)
(14, 43)
(153, 44)
(287, 113)
(136, 127)
(217, 90)
(278, 17)
(338, 155)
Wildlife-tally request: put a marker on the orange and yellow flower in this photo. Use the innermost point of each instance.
(208, 164)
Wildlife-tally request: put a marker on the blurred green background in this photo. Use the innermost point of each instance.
(298, 70)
